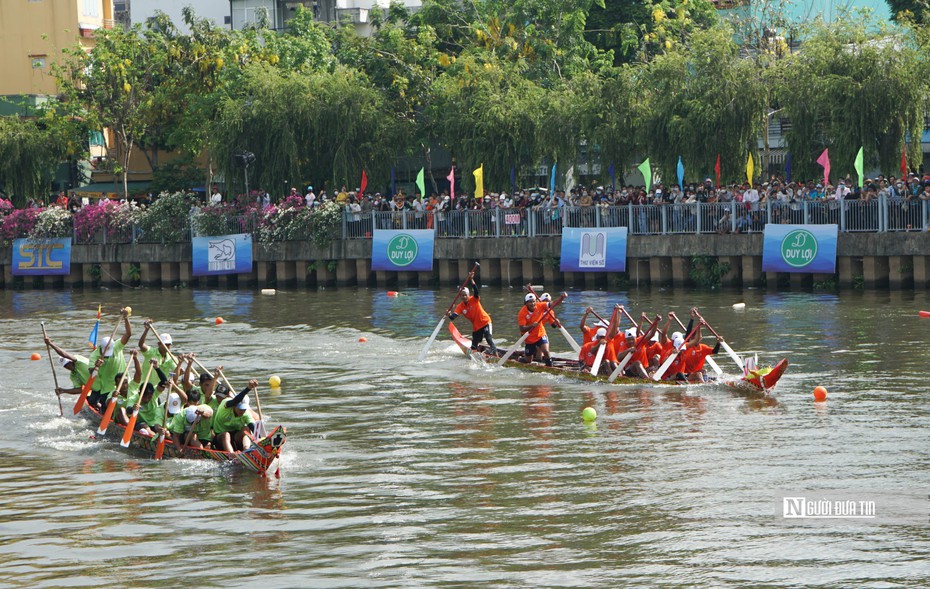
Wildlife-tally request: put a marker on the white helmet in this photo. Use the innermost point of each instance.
(631, 332)
(529, 297)
(600, 333)
(545, 297)
(465, 293)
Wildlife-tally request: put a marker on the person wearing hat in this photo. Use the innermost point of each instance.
(152, 408)
(695, 353)
(588, 353)
(587, 333)
(189, 421)
(471, 308)
(532, 318)
(233, 423)
(108, 360)
(160, 353)
(77, 366)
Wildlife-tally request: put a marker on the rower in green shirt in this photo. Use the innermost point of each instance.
(109, 361)
(161, 352)
(77, 366)
(233, 423)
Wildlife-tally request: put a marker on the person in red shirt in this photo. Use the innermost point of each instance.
(588, 352)
(471, 308)
(636, 366)
(532, 319)
(587, 333)
(695, 355)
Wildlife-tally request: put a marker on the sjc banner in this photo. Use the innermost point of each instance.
(222, 254)
(42, 257)
(593, 250)
(807, 249)
(402, 250)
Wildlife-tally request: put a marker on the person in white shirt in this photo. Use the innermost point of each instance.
(751, 196)
(217, 198)
(310, 197)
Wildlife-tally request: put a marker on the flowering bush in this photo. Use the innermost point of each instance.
(168, 219)
(52, 222)
(326, 221)
(289, 220)
(18, 223)
(5, 207)
(96, 222)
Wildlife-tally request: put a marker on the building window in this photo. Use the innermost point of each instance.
(38, 62)
(91, 8)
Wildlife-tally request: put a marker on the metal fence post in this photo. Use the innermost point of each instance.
(882, 214)
(843, 216)
(697, 209)
(345, 224)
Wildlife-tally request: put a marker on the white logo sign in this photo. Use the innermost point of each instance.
(803, 508)
(593, 251)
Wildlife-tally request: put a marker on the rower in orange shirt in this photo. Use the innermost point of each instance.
(696, 353)
(532, 319)
(587, 333)
(637, 365)
(471, 308)
(588, 352)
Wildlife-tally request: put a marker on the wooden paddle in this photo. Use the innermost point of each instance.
(724, 344)
(108, 414)
(713, 364)
(52, 364)
(131, 426)
(568, 337)
(626, 359)
(190, 433)
(93, 369)
(432, 337)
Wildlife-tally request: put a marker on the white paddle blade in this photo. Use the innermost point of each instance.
(431, 339)
(513, 348)
(568, 337)
(732, 354)
(665, 365)
(714, 366)
(596, 367)
(619, 369)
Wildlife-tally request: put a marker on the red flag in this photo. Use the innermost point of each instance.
(717, 170)
(824, 160)
(364, 184)
(904, 161)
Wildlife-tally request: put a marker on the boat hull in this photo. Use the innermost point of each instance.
(762, 381)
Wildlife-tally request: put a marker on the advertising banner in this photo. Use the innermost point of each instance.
(809, 249)
(402, 250)
(222, 254)
(601, 249)
(42, 257)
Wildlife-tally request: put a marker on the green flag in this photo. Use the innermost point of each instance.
(420, 184)
(859, 166)
(646, 170)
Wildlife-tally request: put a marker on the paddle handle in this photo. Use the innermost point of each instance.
(48, 349)
(713, 363)
(735, 357)
(190, 433)
(471, 275)
(131, 426)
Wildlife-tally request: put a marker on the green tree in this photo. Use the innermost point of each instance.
(30, 151)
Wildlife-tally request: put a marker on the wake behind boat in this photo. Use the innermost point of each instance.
(761, 380)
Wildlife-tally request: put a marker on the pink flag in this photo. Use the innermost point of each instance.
(824, 160)
(451, 179)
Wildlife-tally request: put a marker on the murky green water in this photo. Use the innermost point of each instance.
(447, 473)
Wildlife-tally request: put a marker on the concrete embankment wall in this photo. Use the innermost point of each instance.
(867, 260)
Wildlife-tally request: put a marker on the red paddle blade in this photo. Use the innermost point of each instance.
(127, 435)
(160, 449)
(84, 391)
(107, 416)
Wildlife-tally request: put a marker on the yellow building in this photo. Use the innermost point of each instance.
(32, 35)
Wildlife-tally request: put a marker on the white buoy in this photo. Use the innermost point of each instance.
(739, 306)
(268, 291)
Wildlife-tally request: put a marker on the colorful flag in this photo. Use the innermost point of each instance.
(904, 161)
(364, 184)
(569, 179)
(421, 183)
(788, 167)
(613, 179)
(479, 181)
(824, 160)
(716, 170)
(451, 179)
(92, 338)
(646, 170)
(858, 165)
(552, 182)
(750, 168)
(681, 174)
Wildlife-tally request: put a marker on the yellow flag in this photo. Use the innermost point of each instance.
(479, 182)
(749, 169)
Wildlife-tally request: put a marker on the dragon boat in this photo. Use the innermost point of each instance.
(761, 380)
(259, 458)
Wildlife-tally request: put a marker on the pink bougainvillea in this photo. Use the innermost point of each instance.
(18, 223)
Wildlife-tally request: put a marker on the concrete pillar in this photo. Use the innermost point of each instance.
(551, 275)
(532, 271)
(490, 271)
(448, 272)
(751, 270)
(875, 271)
(681, 268)
(639, 271)
(734, 277)
(660, 271)
(324, 277)
(511, 273)
(300, 273)
(774, 280)
(8, 274)
(345, 273)
(112, 273)
(900, 272)
(76, 277)
(407, 279)
(87, 274)
(249, 278)
(801, 281)
(425, 279)
(921, 272)
(185, 273)
(265, 273)
(170, 274)
(363, 272)
(848, 268)
(229, 281)
(385, 279)
(285, 274)
(150, 273)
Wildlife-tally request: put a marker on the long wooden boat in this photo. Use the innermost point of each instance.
(762, 380)
(259, 458)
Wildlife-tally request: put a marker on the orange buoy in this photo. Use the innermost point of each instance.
(362, 339)
(219, 320)
(36, 356)
(392, 293)
(924, 313)
(820, 394)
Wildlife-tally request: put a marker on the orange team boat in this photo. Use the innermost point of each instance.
(762, 380)
(259, 458)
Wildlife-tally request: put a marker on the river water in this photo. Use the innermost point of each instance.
(450, 473)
